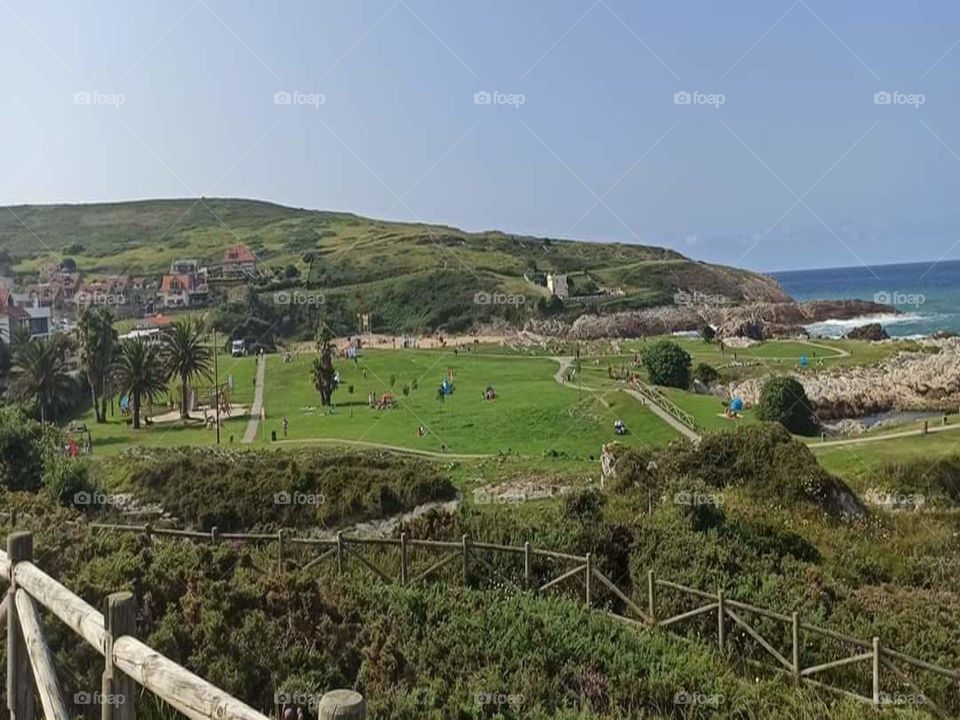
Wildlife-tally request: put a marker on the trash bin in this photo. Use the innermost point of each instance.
(273, 436)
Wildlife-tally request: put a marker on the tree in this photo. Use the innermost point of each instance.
(323, 372)
(707, 333)
(783, 400)
(139, 372)
(43, 376)
(707, 374)
(186, 357)
(98, 345)
(667, 364)
(6, 358)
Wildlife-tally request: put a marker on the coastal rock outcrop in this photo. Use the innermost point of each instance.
(870, 331)
(906, 381)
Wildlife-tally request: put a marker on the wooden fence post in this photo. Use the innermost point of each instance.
(526, 565)
(403, 558)
(119, 691)
(466, 558)
(588, 590)
(280, 559)
(214, 534)
(795, 635)
(339, 553)
(651, 596)
(721, 625)
(20, 700)
(926, 426)
(342, 705)
(876, 671)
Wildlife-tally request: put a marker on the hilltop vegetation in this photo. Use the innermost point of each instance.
(411, 276)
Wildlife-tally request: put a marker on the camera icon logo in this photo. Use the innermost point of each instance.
(482, 98)
(682, 98)
(882, 98)
(282, 97)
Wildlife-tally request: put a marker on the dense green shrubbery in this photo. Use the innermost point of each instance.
(783, 400)
(938, 482)
(707, 374)
(236, 490)
(667, 364)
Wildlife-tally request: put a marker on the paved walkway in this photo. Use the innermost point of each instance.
(664, 415)
(879, 438)
(561, 375)
(257, 408)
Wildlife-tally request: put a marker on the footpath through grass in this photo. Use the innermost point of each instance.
(532, 413)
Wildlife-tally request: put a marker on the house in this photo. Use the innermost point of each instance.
(184, 286)
(557, 285)
(239, 261)
(15, 315)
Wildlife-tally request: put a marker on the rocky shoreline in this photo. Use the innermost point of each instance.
(756, 321)
(924, 381)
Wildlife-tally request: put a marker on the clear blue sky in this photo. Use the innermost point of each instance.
(799, 167)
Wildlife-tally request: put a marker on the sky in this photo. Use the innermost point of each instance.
(769, 134)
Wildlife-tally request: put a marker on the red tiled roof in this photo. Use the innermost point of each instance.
(176, 283)
(239, 254)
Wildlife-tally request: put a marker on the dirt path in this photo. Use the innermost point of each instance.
(879, 438)
(257, 408)
(382, 446)
(664, 415)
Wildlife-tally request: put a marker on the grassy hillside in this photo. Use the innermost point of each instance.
(362, 263)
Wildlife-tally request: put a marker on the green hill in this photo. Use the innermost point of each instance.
(431, 273)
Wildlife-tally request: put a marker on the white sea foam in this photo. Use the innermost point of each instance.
(838, 328)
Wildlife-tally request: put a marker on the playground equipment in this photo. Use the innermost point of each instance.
(78, 439)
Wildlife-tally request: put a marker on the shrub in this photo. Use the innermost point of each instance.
(584, 505)
(707, 333)
(783, 400)
(667, 364)
(707, 374)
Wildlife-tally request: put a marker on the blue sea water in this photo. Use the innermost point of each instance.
(926, 294)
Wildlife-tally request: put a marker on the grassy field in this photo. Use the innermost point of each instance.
(116, 435)
(532, 413)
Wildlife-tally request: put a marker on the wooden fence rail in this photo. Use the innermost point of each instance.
(665, 403)
(582, 567)
(29, 658)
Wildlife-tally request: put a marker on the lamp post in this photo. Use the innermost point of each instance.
(216, 383)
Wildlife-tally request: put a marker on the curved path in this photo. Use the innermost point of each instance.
(560, 377)
(382, 446)
(878, 438)
(256, 410)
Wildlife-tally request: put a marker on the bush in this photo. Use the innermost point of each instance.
(667, 364)
(707, 374)
(707, 333)
(783, 400)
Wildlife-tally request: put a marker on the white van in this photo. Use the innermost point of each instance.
(238, 348)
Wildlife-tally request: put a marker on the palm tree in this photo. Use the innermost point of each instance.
(322, 372)
(98, 346)
(139, 373)
(186, 357)
(43, 376)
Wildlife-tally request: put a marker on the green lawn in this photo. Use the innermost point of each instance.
(532, 413)
(116, 435)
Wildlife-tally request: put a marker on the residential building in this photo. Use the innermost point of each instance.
(557, 285)
(239, 261)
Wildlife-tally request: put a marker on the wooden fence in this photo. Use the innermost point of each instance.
(730, 614)
(662, 401)
(126, 660)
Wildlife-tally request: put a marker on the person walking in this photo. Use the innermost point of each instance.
(285, 425)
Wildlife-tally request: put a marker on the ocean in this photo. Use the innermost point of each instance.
(926, 294)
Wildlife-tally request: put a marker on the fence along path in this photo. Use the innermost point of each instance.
(729, 613)
(111, 633)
